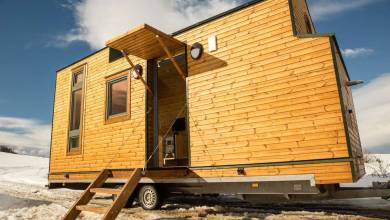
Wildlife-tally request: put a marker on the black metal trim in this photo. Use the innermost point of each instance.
(238, 8)
(79, 60)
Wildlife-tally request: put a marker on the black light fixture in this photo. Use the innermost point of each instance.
(137, 71)
(196, 51)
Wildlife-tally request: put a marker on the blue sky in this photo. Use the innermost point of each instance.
(40, 37)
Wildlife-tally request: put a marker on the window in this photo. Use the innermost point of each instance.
(118, 97)
(76, 105)
(309, 30)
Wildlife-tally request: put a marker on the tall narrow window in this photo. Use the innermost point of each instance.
(74, 142)
(118, 97)
(309, 30)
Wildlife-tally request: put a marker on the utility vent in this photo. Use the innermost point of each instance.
(212, 43)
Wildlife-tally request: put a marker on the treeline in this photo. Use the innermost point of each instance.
(7, 149)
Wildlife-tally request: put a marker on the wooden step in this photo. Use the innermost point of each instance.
(106, 191)
(109, 212)
(99, 210)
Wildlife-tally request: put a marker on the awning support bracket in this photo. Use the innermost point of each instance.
(132, 67)
(175, 64)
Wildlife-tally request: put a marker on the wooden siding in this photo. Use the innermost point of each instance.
(350, 117)
(116, 145)
(264, 95)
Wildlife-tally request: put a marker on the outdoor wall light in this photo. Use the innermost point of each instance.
(196, 51)
(137, 71)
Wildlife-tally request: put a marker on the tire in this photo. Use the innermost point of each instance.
(130, 201)
(149, 197)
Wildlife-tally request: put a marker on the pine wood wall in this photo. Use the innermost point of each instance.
(275, 98)
(264, 96)
(117, 145)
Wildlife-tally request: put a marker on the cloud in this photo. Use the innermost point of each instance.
(21, 132)
(323, 9)
(356, 52)
(372, 103)
(99, 20)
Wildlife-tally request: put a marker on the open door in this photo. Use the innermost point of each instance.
(167, 115)
(166, 127)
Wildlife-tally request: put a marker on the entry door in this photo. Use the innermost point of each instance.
(167, 115)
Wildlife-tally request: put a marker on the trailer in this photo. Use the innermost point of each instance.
(250, 101)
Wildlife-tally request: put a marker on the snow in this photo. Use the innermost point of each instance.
(23, 169)
(23, 195)
(369, 178)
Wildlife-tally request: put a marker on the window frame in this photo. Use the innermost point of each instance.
(123, 75)
(76, 132)
(308, 24)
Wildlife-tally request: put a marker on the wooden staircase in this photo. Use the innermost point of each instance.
(109, 212)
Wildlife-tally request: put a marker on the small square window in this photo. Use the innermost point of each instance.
(117, 97)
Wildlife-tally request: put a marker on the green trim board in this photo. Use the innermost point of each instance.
(342, 104)
(52, 120)
(302, 162)
(292, 15)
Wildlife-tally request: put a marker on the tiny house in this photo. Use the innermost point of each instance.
(243, 101)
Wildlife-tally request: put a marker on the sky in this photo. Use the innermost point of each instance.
(39, 37)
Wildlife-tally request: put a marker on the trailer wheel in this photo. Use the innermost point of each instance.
(131, 199)
(149, 197)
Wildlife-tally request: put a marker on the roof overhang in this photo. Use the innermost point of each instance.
(145, 42)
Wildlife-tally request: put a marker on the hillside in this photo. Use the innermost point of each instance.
(23, 169)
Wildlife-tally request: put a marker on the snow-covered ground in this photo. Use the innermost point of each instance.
(23, 196)
(372, 171)
(23, 169)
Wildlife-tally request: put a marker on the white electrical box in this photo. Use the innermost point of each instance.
(212, 43)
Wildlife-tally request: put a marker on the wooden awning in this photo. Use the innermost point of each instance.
(145, 42)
